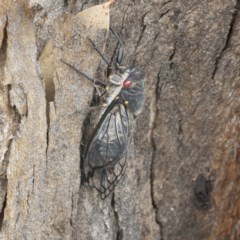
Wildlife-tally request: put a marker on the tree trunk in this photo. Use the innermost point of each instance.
(182, 178)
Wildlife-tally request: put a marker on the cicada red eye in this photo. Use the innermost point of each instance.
(127, 83)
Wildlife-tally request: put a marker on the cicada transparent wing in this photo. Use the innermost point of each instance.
(106, 154)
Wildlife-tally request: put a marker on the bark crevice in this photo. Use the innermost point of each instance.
(4, 162)
(3, 44)
(227, 40)
(165, 3)
(3, 180)
(119, 234)
(120, 32)
(71, 216)
(154, 114)
(2, 212)
(143, 28)
(164, 13)
(172, 54)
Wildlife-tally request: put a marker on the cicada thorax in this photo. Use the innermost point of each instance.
(133, 91)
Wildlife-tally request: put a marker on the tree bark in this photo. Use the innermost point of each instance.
(182, 178)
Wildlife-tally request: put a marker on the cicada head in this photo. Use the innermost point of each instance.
(133, 90)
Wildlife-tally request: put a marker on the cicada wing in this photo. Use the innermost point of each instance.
(105, 179)
(105, 159)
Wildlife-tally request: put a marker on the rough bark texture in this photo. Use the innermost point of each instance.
(182, 179)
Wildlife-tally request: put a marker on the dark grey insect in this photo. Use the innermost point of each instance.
(106, 153)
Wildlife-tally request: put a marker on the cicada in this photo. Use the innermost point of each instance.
(105, 156)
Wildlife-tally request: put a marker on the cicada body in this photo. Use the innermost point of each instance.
(106, 153)
(108, 149)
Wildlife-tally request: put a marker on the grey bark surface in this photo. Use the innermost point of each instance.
(182, 178)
